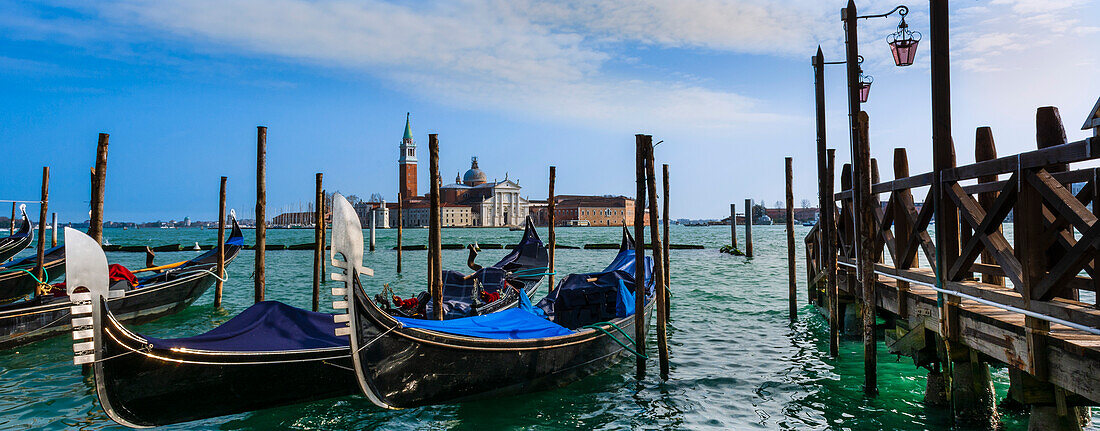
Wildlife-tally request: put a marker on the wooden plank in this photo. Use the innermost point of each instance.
(1061, 200)
(1078, 151)
(905, 183)
(994, 242)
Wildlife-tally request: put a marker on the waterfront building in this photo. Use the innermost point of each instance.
(579, 210)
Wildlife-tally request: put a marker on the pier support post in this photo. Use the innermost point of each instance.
(318, 237)
(974, 401)
(40, 270)
(99, 185)
(865, 239)
(903, 207)
(259, 277)
(748, 227)
(986, 149)
(827, 210)
(640, 142)
(792, 302)
(219, 283)
(935, 389)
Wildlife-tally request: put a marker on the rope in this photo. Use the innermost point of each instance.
(616, 339)
(376, 338)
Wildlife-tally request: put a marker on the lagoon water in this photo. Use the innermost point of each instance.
(736, 361)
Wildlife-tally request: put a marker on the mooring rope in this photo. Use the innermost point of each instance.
(616, 339)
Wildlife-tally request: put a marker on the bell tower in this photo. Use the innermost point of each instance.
(406, 164)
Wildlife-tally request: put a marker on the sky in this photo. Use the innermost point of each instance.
(180, 86)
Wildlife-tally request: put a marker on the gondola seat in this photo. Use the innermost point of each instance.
(459, 291)
(267, 326)
(585, 299)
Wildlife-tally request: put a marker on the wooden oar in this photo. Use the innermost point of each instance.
(160, 268)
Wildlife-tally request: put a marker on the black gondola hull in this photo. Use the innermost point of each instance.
(406, 367)
(144, 386)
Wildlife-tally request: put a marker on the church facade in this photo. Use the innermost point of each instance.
(472, 200)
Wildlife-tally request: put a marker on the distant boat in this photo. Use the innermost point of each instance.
(810, 223)
(764, 220)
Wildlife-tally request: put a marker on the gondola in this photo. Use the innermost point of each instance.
(18, 278)
(133, 299)
(270, 355)
(486, 290)
(402, 363)
(16, 242)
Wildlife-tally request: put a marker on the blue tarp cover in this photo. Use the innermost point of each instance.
(264, 327)
(512, 323)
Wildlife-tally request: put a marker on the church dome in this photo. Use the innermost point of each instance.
(474, 176)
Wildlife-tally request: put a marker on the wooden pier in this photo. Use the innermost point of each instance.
(979, 297)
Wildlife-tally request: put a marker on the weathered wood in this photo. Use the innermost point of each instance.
(864, 228)
(11, 221)
(1095, 195)
(220, 283)
(748, 227)
(733, 226)
(665, 243)
(550, 224)
(986, 149)
(829, 254)
(39, 269)
(792, 301)
(658, 260)
(903, 183)
(53, 230)
(318, 237)
(99, 185)
(1078, 151)
(640, 142)
(400, 228)
(436, 246)
(259, 277)
(903, 238)
(987, 234)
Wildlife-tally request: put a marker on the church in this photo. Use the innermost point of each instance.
(472, 200)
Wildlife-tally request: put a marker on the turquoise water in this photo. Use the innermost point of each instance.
(737, 363)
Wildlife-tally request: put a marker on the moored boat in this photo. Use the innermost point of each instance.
(17, 241)
(402, 363)
(133, 299)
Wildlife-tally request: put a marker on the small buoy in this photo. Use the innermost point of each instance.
(197, 248)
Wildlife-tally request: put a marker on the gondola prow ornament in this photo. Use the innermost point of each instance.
(87, 283)
(347, 244)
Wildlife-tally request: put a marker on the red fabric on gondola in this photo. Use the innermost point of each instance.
(118, 272)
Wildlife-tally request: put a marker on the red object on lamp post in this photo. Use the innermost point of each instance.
(865, 87)
(903, 44)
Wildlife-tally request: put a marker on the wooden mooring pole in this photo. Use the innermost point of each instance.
(400, 227)
(53, 230)
(658, 260)
(986, 149)
(792, 278)
(667, 270)
(11, 221)
(832, 293)
(436, 244)
(318, 237)
(865, 210)
(40, 270)
(640, 142)
(748, 227)
(99, 184)
(550, 224)
(259, 277)
(373, 225)
(220, 283)
(733, 226)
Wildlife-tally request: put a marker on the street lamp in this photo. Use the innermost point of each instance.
(865, 87)
(903, 43)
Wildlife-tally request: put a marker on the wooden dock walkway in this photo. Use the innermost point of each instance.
(975, 298)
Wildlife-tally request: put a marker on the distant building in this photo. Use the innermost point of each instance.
(491, 203)
(571, 210)
(406, 164)
(379, 210)
(417, 215)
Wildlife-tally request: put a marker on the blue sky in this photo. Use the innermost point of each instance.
(181, 86)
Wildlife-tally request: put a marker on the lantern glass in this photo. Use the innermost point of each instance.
(904, 50)
(864, 91)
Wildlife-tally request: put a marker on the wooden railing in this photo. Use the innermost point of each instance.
(1054, 252)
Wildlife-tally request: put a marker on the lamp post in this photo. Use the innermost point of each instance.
(859, 87)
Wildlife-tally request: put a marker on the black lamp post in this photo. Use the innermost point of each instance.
(859, 87)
